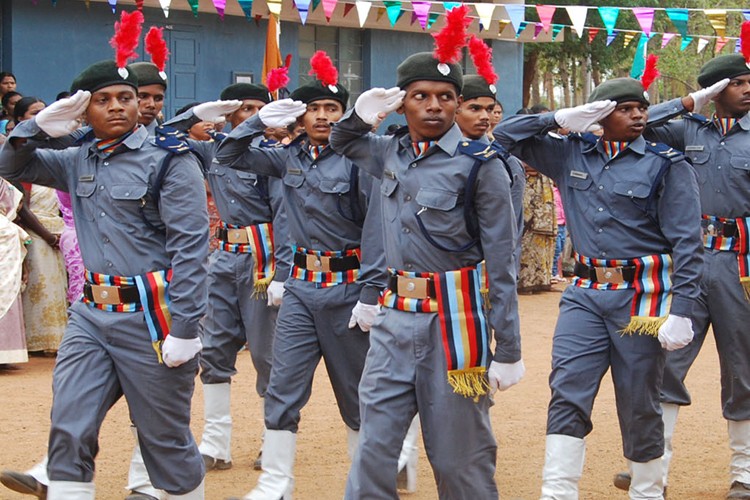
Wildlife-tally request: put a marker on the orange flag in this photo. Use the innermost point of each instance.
(272, 57)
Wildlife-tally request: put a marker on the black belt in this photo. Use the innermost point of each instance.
(727, 229)
(393, 286)
(222, 234)
(590, 273)
(335, 264)
(124, 294)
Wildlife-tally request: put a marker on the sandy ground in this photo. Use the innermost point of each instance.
(519, 415)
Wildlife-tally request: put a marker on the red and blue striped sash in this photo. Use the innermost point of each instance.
(324, 279)
(260, 244)
(652, 284)
(739, 244)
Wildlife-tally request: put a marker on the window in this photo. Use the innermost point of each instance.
(344, 47)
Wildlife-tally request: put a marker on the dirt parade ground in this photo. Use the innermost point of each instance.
(699, 468)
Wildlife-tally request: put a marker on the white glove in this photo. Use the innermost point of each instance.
(61, 117)
(374, 104)
(583, 118)
(363, 315)
(702, 96)
(504, 375)
(676, 332)
(216, 111)
(176, 351)
(281, 113)
(275, 292)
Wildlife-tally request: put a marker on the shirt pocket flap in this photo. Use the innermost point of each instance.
(334, 187)
(437, 199)
(697, 157)
(85, 189)
(741, 162)
(247, 176)
(632, 190)
(128, 191)
(293, 180)
(580, 184)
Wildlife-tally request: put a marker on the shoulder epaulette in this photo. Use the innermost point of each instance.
(696, 117)
(171, 139)
(270, 143)
(477, 150)
(585, 137)
(664, 151)
(501, 151)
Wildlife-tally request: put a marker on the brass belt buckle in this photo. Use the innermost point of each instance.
(412, 288)
(104, 294)
(237, 236)
(318, 263)
(609, 275)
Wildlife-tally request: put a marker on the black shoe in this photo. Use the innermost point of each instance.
(258, 464)
(212, 463)
(137, 495)
(23, 483)
(622, 481)
(739, 490)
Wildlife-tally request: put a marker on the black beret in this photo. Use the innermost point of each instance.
(149, 74)
(242, 91)
(476, 86)
(103, 74)
(620, 90)
(718, 68)
(424, 66)
(316, 91)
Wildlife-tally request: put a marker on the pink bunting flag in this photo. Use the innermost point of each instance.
(545, 15)
(537, 29)
(720, 43)
(666, 38)
(220, 5)
(422, 11)
(328, 6)
(645, 17)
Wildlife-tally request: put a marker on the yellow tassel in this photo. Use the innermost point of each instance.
(260, 286)
(485, 293)
(469, 383)
(644, 325)
(157, 348)
(745, 282)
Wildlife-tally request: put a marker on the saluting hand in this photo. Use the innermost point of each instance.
(373, 105)
(61, 117)
(281, 113)
(216, 111)
(503, 376)
(701, 97)
(583, 118)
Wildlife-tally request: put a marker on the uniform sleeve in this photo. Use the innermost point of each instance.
(236, 151)
(526, 137)
(282, 248)
(23, 158)
(660, 126)
(373, 269)
(353, 138)
(497, 232)
(679, 218)
(183, 209)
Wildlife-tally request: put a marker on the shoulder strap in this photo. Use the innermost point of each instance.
(154, 191)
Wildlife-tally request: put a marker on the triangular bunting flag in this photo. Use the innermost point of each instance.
(303, 7)
(274, 7)
(521, 27)
(645, 17)
(679, 18)
(720, 43)
(165, 6)
(347, 8)
(639, 60)
(328, 6)
(545, 15)
(393, 8)
(485, 11)
(537, 29)
(413, 18)
(592, 33)
(363, 9)
(315, 4)
(666, 38)
(627, 38)
(738, 45)
(516, 15)
(113, 4)
(257, 19)
(746, 15)
(450, 5)
(502, 24)
(702, 42)
(685, 42)
(577, 18)
(434, 16)
(611, 38)
(609, 16)
(193, 7)
(220, 5)
(138, 4)
(718, 19)
(422, 11)
(379, 15)
(556, 29)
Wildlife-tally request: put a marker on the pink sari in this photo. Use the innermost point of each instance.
(70, 250)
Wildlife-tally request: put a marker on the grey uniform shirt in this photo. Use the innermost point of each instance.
(106, 193)
(435, 185)
(321, 212)
(605, 198)
(721, 162)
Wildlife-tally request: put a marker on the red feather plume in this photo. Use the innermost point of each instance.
(651, 73)
(452, 38)
(322, 67)
(481, 55)
(745, 41)
(279, 77)
(157, 47)
(125, 39)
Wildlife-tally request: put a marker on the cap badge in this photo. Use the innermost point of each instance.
(333, 89)
(444, 69)
(123, 72)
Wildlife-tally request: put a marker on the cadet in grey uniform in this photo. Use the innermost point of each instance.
(325, 202)
(446, 207)
(719, 148)
(144, 251)
(253, 249)
(632, 208)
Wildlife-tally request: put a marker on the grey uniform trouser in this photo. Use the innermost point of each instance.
(234, 318)
(586, 343)
(104, 355)
(313, 322)
(722, 305)
(406, 373)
